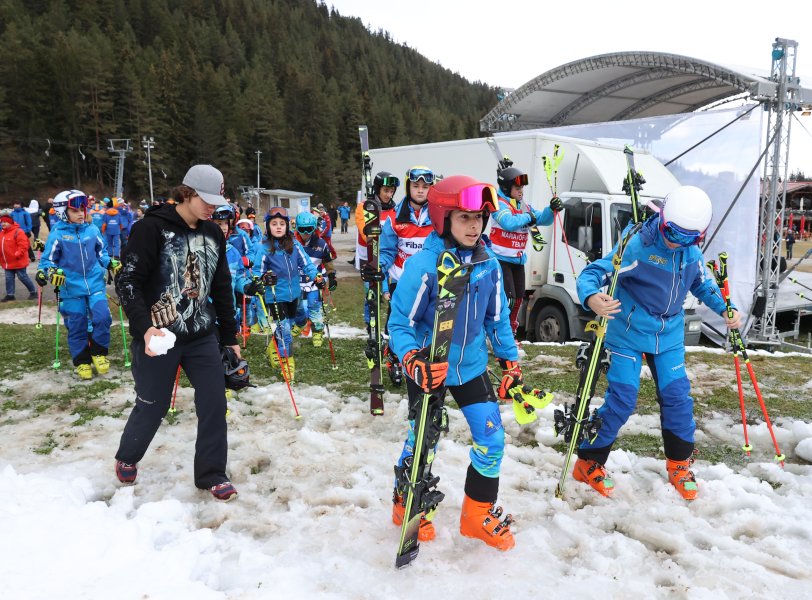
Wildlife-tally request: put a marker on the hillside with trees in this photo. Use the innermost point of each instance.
(212, 81)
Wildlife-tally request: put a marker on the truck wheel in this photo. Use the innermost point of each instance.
(551, 325)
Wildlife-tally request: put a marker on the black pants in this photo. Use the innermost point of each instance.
(154, 380)
(513, 280)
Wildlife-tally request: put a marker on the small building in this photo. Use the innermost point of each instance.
(263, 199)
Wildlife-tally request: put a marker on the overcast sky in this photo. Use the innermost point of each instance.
(508, 42)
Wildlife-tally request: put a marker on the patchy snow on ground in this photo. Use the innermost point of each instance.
(313, 518)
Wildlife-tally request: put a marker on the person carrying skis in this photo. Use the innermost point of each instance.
(310, 306)
(325, 228)
(384, 185)
(510, 231)
(402, 236)
(75, 247)
(14, 259)
(459, 208)
(661, 264)
(176, 277)
(279, 260)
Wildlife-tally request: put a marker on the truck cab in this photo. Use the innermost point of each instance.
(586, 230)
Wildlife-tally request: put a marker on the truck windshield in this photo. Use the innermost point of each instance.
(621, 216)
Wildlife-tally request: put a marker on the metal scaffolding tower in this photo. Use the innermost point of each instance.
(780, 98)
(119, 148)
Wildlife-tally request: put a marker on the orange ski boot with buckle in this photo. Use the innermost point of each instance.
(481, 520)
(682, 478)
(425, 533)
(593, 473)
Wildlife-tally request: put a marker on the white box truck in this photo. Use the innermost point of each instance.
(589, 182)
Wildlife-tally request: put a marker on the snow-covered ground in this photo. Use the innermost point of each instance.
(313, 516)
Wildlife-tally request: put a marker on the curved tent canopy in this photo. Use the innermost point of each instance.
(616, 87)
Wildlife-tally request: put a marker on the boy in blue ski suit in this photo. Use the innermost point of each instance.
(279, 261)
(77, 248)
(126, 217)
(310, 306)
(459, 208)
(509, 233)
(661, 264)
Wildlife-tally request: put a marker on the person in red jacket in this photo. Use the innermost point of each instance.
(14, 256)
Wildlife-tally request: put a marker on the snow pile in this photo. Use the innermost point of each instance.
(313, 519)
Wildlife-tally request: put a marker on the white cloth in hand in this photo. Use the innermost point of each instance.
(161, 345)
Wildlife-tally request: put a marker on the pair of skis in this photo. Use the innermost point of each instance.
(372, 231)
(414, 479)
(574, 422)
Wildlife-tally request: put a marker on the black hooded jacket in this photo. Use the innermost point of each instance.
(177, 277)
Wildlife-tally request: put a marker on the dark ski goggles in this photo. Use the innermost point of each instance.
(519, 180)
(417, 173)
(307, 230)
(390, 182)
(223, 213)
(78, 202)
(682, 237)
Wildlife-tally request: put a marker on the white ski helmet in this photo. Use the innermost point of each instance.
(73, 198)
(688, 207)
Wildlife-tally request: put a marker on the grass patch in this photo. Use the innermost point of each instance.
(48, 444)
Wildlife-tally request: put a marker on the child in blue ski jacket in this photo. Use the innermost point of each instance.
(77, 248)
(510, 231)
(661, 264)
(310, 307)
(459, 208)
(279, 261)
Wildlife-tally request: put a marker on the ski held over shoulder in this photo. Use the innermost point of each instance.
(415, 479)
(372, 231)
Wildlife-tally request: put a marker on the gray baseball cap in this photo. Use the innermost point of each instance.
(208, 183)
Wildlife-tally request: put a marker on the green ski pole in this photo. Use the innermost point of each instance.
(57, 364)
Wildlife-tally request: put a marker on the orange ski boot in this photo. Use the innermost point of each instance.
(425, 532)
(682, 478)
(594, 474)
(481, 520)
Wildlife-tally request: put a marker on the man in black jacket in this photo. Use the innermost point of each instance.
(175, 277)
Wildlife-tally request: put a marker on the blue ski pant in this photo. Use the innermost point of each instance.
(79, 314)
(310, 308)
(620, 400)
(154, 378)
(113, 244)
(282, 313)
(479, 406)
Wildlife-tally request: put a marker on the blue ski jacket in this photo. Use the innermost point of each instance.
(483, 311)
(270, 257)
(77, 249)
(510, 226)
(652, 286)
(23, 218)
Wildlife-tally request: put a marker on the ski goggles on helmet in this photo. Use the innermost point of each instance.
(415, 174)
(519, 180)
(390, 181)
(277, 212)
(682, 237)
(78, 202)
(223, 213)
(306, 229)
(477, 197)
